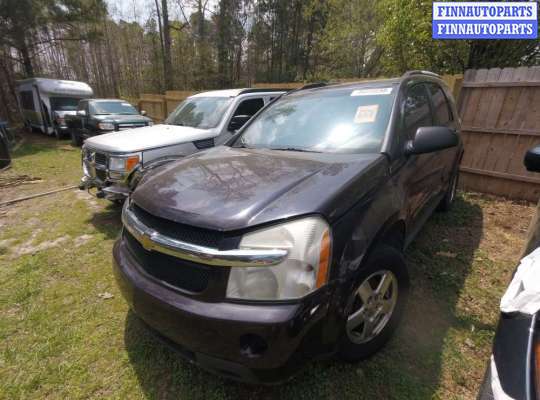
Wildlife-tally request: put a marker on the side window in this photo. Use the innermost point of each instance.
(243, 113)
(27, 100)
(441, 108)
(416, 110)
(81, 106)
(249, 107)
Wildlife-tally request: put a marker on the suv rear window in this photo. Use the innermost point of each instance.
(337, 120)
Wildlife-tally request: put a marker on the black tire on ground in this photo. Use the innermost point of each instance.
(58, 134)
(76, 140)
(5, 158)
(383, 259)
(450, 195)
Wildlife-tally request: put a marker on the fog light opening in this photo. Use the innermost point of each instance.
(252, 346)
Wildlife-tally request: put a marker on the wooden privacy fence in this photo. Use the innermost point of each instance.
(500, 112)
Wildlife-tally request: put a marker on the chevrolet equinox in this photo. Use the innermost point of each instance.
(286, 244)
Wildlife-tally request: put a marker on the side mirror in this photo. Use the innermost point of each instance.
(432, 138)
(532, 159)
(81, 113)
(237, 122)
(143, 113)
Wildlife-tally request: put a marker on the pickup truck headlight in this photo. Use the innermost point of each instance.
(106, 126)
(124, 164)
(304, 270)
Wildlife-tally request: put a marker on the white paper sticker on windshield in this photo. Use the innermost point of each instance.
(126, 104)
(372, 92)
(366, 114)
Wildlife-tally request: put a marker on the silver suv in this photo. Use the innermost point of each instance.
(201, 121)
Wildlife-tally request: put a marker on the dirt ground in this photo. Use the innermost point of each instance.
(67, 333)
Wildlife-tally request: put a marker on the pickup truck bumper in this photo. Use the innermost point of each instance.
(105, 190)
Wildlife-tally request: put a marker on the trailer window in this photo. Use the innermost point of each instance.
(64, 103)
(27, 100)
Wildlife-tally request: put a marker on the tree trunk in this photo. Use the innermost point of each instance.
(167, 65)
(27, 61)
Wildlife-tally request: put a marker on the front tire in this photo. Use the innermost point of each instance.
(376, 305)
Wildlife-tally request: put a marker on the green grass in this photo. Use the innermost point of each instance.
(59, 339)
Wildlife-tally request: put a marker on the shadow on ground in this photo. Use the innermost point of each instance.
(408, 368)
(29, 143)
(108, 220)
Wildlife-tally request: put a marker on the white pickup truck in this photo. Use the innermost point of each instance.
(201, 121)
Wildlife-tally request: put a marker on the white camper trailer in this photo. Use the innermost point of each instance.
(45, 103)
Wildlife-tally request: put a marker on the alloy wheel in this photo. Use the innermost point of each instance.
(374, 303)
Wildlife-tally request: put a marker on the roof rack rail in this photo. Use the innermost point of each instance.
(308, 86)
(261, 90)
(419, 72)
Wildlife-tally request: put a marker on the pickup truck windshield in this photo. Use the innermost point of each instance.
(334, 121)
(200, 112)
(112, 107)
(64, 103)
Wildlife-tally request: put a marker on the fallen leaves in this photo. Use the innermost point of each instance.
(105, 295)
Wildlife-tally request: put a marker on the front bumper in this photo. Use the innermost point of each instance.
(111, 185)
(258, 343)
(510, 365)
(113, 191)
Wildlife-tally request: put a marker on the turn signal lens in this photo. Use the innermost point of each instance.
(131, 162)
(324, 260)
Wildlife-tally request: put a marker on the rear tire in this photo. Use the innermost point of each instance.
(76, 140)
(376, 306)
(58, 134)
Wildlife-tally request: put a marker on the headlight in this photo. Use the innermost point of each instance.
(304, 270)
(150, 123)
(123, 163)
(106, 126)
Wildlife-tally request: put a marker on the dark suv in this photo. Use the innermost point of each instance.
(287, 243)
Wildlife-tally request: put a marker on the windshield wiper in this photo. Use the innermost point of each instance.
(294, 149)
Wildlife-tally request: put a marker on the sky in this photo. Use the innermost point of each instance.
(141, 10)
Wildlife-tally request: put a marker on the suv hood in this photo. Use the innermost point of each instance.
(228, 189)
(148, 137)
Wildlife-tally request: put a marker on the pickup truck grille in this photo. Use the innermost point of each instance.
(101, 175)
(121, 127)
(204, 144)
(171, 270)
(100, 159)
(185, 233)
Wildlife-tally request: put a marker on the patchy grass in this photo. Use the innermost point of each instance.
(63, 336)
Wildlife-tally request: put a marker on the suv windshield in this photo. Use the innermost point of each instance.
(200, 112)
(336, 120)
(112, 107)
(64, 103)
